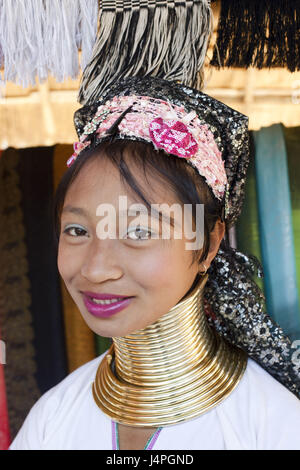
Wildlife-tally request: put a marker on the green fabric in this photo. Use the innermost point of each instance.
(292, 141)
(102, 344)
(276, 228)
(247, 226)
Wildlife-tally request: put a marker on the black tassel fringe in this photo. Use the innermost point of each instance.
(258, 33)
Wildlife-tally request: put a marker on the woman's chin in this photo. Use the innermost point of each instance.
(107, 328)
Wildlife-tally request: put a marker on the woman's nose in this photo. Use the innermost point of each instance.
(101, 263)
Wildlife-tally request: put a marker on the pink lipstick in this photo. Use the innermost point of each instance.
(110, 305)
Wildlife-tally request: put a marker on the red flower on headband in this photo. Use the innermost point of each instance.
(173, 137)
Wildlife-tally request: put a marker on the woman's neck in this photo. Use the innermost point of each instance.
(171, 371)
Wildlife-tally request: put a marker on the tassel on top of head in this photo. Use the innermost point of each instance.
(164, 38)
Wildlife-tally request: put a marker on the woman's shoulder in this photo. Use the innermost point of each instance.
(261, 390)
(75, 382)
(264, 411)
(81, 375)
(53, 406)
(258, 380)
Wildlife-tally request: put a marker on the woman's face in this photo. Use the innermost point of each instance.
(155, 272)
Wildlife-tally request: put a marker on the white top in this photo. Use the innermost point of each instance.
(259, 414)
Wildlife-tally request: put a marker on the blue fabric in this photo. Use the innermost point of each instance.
(36, 185)
(276, 229)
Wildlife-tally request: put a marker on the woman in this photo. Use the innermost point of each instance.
(194, 359)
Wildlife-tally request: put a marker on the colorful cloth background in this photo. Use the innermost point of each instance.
(269, 224)
(44, 334)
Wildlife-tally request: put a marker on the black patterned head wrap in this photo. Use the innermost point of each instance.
(234, 303)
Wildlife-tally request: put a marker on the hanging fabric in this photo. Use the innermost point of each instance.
(102, 344)
(292, 142)
(166, 39)
(40, 38)
(258, 33)
(4, 423)
(22, 389)
(276, 229)
(36, 184)
(247, 227)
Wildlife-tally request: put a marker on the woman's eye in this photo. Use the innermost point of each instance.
(75, 231)
(139, 234)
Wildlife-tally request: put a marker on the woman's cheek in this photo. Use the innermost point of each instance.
(153, 268)
(68, 261)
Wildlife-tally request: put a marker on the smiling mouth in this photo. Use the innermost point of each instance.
(107, 301)
(104, 308)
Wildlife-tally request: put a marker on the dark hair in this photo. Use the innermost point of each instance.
(189, 186)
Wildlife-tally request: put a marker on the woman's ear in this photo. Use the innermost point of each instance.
(216, 236)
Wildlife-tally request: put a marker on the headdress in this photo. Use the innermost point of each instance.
(212, 137)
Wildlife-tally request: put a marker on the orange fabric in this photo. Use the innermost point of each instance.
(80, 340)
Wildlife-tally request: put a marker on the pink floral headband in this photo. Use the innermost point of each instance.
(167, 127)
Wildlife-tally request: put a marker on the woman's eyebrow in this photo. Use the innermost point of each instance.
(154, 213)
(75, 210)
(84, 213)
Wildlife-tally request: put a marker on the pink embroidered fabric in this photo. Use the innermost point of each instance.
(168, 127)
(78, 147)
